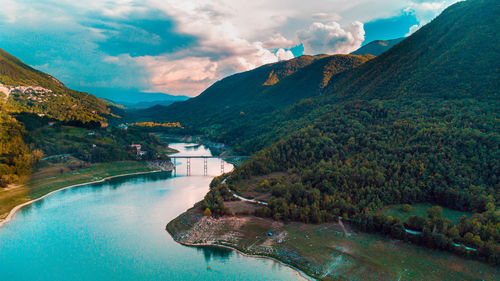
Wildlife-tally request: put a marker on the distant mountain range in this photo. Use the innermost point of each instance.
(377, 47)
(132, 96)
(148, 104)
(257, 91)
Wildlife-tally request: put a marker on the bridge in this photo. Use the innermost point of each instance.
(205, 162)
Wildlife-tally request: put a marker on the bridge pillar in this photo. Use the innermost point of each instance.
(205, 166)
(221, 166)
(175, 167)
(188, 166)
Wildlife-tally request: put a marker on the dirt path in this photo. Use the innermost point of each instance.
(343, 227)
(247, 200)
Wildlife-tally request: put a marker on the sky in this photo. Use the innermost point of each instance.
(181, 47)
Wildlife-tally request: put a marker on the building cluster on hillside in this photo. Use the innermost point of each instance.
(123, 126)
(140, 152)
(38, 94)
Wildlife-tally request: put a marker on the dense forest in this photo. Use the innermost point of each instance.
(363, 155)
(15, 157)
(253, 94)
(418, 124)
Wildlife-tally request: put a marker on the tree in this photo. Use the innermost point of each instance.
(453, 233)
(207, 212)
(406, 208)
(435, 212)
(416, 222)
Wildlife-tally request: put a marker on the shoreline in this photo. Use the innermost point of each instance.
(299, 272)
(14, 210)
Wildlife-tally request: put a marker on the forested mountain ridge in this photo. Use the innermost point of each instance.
(455, 55)
(377, 47)
(417, 125)
(249, 94)
(29, 90)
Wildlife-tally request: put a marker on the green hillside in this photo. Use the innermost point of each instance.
(52, 99)
(456, 55)
(15, 157)
(418, 124)
(39, 116)
(252, 93)
(377, 47)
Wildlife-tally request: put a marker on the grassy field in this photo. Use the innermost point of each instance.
(53, 176)
(396, 211)
(329, 251)
(11, 197)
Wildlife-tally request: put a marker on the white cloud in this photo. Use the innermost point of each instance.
(221, 48)
(276, 40)
(412, 30)
(181, 76)
(283, 54)
(331, 38)
(425, 11)
(326, 17)
(240, 36)
(230, 35)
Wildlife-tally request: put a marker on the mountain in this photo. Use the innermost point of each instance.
(40, 116)
(453, 57)
(148, 104)
(257, 91)
(456, 55)
(29, 90)
(31, 96)
(417, 125)
(131, 96)
(377, 47)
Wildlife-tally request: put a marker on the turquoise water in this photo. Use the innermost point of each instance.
(116, 231)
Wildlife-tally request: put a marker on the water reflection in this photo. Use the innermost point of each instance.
(215, 253)
(144, 178)
(115, 230)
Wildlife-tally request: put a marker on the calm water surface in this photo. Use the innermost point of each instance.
(116, 231)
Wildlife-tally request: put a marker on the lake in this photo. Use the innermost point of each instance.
(116, 231)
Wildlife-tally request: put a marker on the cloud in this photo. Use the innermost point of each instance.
(278, 41)
(221, 48)
(331, 38)
(326, 17)
(425, 11)
(412, 30)
(139, 35)
(179, 76)
(187, 74)
(181, 47)
(283, 54)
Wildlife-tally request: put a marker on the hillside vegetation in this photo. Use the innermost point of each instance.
(454, 56)
(15, 157)
(377, 47)
(417, 124)
(37, 92)
(40, 117)
(251, 94)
